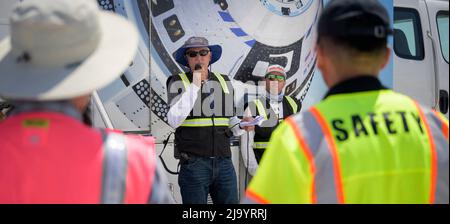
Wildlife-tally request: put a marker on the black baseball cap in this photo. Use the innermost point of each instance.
(354, 19)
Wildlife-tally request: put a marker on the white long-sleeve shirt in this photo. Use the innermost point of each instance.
(248, 156)
(247, 140)
(181, 109)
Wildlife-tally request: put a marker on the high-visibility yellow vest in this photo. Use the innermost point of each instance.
(262, 111)
(367, 147)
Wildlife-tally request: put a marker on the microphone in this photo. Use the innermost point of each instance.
(198, 67)
(197, 74)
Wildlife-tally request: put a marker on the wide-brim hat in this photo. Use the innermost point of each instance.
(63, 49)
(196, 42)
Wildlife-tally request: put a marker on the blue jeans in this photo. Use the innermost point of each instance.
(200, 176)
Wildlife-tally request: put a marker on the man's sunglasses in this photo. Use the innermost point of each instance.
(194, 54)
(272, 77)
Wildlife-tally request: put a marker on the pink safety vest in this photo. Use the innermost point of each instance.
(48, 157)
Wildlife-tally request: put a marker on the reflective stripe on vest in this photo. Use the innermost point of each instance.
(219, 77)
(254, 198)
(444, 123)
(334, 155)
(185, 80)
(222, 83)
(260, 145)
(115, 166)
(260, 108)
(293, 104)
(324, 186)
(438, 125)
(433, 157)
(206, 122)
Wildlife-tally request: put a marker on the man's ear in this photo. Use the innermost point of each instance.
(320, 57)
(386, 58)
(323, 63)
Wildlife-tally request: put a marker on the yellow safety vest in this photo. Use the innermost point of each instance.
(369, 147)
(262, 112)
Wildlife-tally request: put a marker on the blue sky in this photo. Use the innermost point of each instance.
(318, 88)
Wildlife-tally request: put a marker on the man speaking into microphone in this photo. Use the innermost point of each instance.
(203, 113)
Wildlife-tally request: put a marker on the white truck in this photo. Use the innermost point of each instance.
(421, 51)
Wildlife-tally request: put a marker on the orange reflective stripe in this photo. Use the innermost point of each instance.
(333, 150)
(444, 124)
(255, 197)
(433, 154)
(305, 149)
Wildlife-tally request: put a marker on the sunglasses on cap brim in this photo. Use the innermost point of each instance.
(273, 77)
(193, 54)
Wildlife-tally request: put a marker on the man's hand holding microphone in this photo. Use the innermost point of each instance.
(198, 76)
